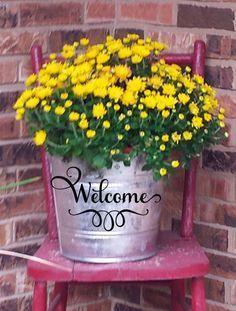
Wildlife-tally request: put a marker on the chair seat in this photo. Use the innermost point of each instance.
(176, 258)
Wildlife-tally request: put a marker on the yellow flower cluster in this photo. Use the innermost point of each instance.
(120, 89)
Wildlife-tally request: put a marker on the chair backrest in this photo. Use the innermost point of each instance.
(196, 61)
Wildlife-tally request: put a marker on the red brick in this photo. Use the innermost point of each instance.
(24, 283)
(11, 262)
(221, 265)
(7, 284)
(59, 37)
(9, 128)
(218, 213)
(24, 303)
(129, 293)
(210, 237)
(8, 72)
(147, 11)
(22, 204)
(31, 227)
(5, 234)
(215, 186)
(8, 16)
(99, 306)
(8, 305)
(229, 104)
(7, 176)
(180, 42)
(205, 17)
(7, 99)
(37, 14)
(100, 10)
(25, 69)
(231, 129)
(86, 292)
(219, 160)
(123, 32)
(30, 173)
(19, 154)
(152, 297)
(12, 43)
(124, 307)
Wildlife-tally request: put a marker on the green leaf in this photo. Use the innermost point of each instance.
(99, 161)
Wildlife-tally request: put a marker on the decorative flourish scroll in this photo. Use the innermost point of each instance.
(98, 220)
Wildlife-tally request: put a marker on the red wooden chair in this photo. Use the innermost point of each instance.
(181, 255)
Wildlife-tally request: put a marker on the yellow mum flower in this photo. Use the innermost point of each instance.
(64, 95)
(116, 107)
(136, 59)
(53, 56)
(197, 122)
(176, 137)
(222, 124)
(100, 92)
(79, 90)
(31, 80)
(198, 79)
(143, 115)
(165, 138)
(129, 98)
(156, 81)
(103, 58)
(84, 41)
(135, 85)
(207, 117)
(193, 108)
(74, 116)
(163, 171)
(127, 127)
(150, 102)
(125, 52)
(183, 98)
(122, 72)
(90, 133)
(39, 137)
(181, 116)
(115, 93)
(141, 133)
(175, 163)
(162, 147)
(121, 117)
(169, 89)
(47, 108)
(120, 136)
(68, 103)
(32, 103)
(221, 116)
(106, 124)
(83, 124)
(99, 111)
(59, 110)
(113, 151)
(187, 135)
(165, 113)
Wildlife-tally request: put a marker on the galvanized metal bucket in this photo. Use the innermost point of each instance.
(106, 215)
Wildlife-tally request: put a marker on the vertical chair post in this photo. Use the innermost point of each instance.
(37, 62)
(198, 294)
(186, 229)
(40, 296)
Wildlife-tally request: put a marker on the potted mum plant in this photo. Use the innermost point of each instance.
(115, 119)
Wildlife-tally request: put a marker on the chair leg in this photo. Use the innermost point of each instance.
(61, 289)
(198, 294)
(40, 296)
(177, 295)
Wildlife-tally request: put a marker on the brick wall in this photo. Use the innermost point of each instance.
(22, 212)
